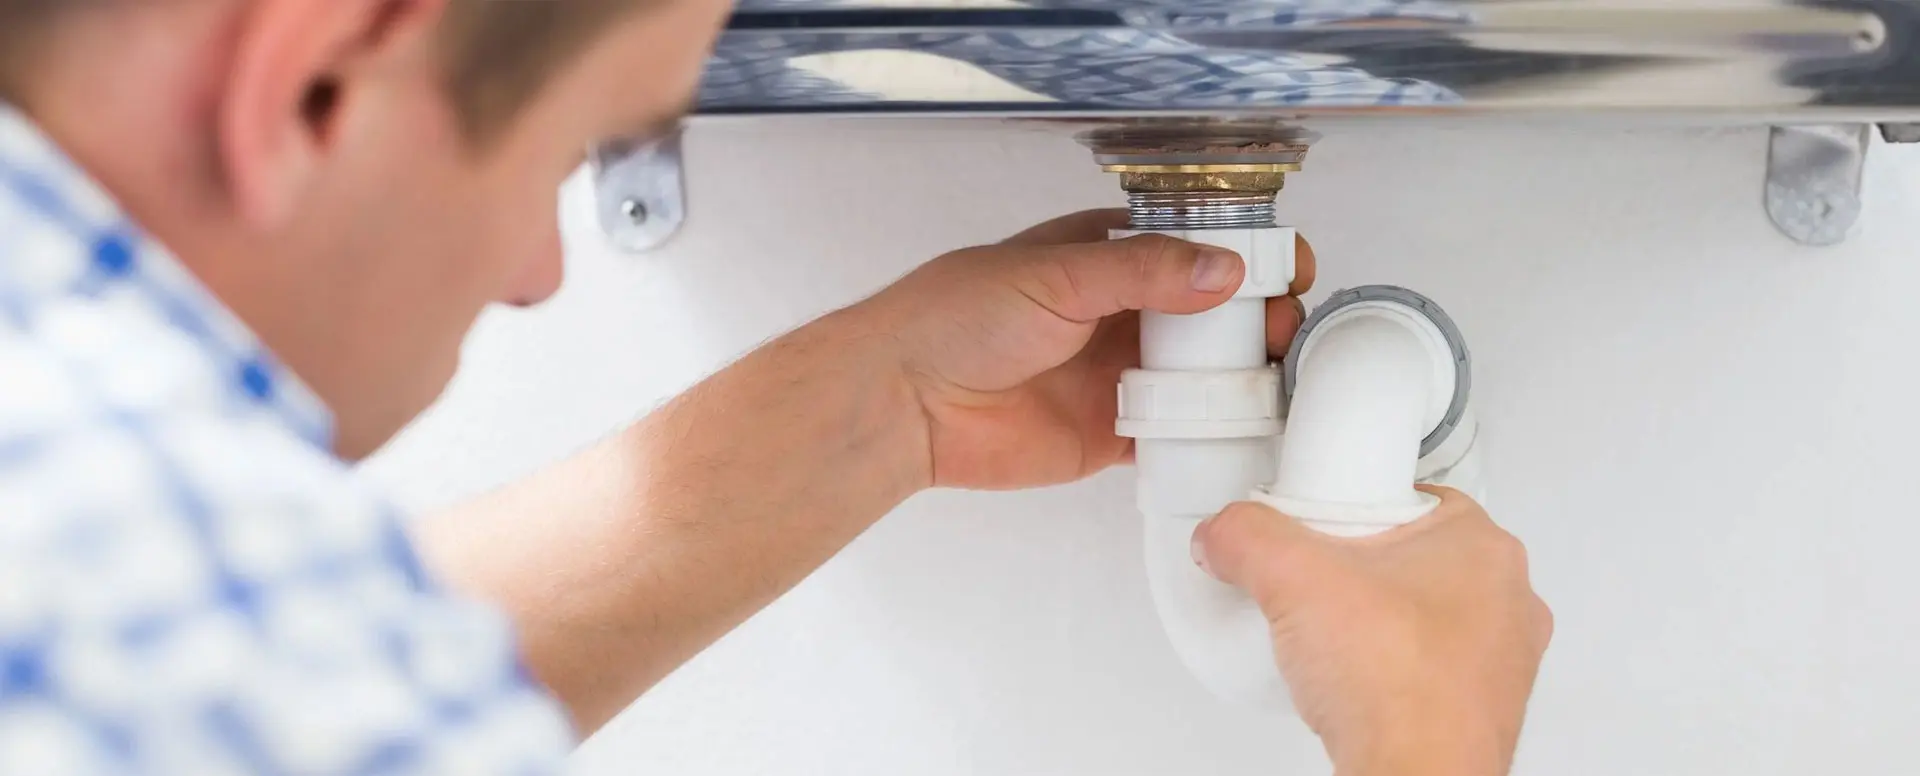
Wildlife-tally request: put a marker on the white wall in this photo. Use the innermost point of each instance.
(1704, 432)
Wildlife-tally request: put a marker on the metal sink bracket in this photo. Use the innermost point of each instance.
(1813, 180)
(640, 192)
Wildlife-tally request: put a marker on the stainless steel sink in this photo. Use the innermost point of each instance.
(1819, 72)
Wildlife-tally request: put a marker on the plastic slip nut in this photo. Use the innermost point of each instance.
(1229, 404)
(1267, 252)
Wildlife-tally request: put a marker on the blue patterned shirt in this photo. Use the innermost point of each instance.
(190, 582)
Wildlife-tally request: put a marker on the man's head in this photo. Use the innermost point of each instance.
(356, 178)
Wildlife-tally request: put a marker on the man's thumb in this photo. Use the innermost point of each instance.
(1250, 546)
(1088, 281)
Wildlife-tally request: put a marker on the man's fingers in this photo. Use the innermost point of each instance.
(1082, 227)
(1285, 314)
(1305, 267)
(1249, 545)
(1089, 281)
(1087, 276)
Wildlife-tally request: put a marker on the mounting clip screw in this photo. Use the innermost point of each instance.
(640, 188)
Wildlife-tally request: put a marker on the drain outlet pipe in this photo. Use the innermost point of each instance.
(1204, 409)
(1377, 384)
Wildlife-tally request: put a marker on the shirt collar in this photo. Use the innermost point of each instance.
(40, 182)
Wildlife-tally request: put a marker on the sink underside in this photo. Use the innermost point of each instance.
(1719, 61)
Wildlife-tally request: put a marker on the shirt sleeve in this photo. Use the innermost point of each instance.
(200, 595)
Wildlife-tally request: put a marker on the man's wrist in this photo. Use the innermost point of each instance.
(1441, 745)
(889, 423)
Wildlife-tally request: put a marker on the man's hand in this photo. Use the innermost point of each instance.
(1411, 653)
(1013, 350)
(989, 368)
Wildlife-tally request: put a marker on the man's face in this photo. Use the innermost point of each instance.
(420, 229)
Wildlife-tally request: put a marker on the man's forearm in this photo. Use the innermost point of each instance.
(621, 563)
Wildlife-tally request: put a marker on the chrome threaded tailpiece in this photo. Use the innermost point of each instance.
(1152, 211)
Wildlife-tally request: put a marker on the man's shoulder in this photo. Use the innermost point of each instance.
(102, 419)
(186, 585)
(190, 582)
(127, 504)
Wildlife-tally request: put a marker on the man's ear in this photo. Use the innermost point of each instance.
(297, 66)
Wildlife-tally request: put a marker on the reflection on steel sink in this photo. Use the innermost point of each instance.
(1752, 60)
(1211, 71)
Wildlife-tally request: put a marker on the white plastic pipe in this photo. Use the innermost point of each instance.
(1187, 475)
(1373, 380)
(1203, 411)
(1231, 336)
(1359, 412)
(1217, 631)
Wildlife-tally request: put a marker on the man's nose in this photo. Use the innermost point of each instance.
(540, 278)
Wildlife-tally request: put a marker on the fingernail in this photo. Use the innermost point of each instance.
(1214, 271)
(1301, 306)
(1199, 549)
